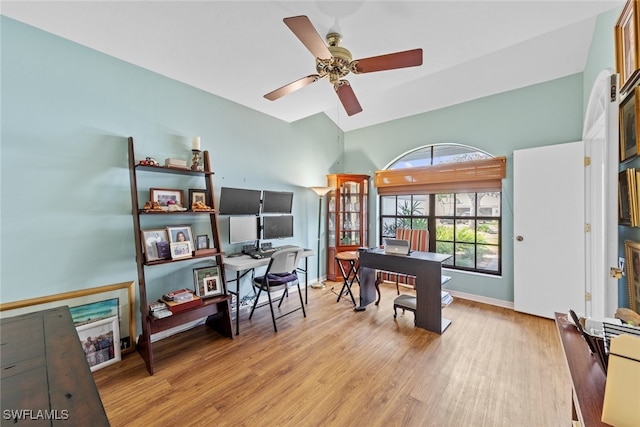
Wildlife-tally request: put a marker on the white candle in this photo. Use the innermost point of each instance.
(195, 143)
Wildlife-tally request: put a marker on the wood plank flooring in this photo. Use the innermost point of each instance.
(336, 367)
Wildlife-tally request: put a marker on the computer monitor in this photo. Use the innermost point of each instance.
(239, 201)
(277, 202)
(277, 227)
(243, 229)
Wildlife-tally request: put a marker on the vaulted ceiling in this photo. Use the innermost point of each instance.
(241, 50)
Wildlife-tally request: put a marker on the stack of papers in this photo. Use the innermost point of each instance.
(446, 298)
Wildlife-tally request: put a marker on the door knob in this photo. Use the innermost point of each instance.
(519, 238)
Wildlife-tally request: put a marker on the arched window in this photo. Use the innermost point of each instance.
(455, 192)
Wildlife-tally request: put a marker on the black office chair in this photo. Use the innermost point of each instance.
(280, 274)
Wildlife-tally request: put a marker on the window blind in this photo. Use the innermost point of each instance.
(471, 176)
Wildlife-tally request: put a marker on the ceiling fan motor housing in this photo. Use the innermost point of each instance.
(337, 66)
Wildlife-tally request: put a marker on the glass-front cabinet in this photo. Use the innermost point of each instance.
(347, 217)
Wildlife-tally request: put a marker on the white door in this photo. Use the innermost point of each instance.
(549, 229)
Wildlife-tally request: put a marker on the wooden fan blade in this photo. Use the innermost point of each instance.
(306, 32)
(391, 61)
(347, 97)
(291, 87)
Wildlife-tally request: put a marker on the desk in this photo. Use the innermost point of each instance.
(45, 372)
(426, 266)
(244, 264)
(587, 376)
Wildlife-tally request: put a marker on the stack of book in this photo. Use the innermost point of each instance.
(159, 310)
(446, 298)
(180, 300)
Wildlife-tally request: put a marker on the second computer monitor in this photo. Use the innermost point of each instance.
(277, 227)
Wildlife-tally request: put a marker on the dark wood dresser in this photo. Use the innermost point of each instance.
(45, 379)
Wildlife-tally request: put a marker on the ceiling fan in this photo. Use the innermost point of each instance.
(334, 62)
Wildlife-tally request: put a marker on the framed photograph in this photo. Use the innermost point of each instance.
(180, 233)
(198, 195)
(202, 242)
(98, 342)
(166, 197)
(207, 281)
(626, 44)
(150, 240)
(624, 206)
(632, 261)
(103, 297)
(629, 131)
(180, 250)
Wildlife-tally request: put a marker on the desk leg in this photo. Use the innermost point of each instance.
(367, 287)
(237, 303)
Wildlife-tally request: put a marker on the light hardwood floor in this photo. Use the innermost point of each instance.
(492, 367)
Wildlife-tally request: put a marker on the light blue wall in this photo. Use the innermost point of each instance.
(66, 206)
(543, 114)
(67, 110)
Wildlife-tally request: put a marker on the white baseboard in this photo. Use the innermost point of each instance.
(479, 298)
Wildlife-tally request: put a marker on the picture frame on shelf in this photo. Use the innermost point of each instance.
(212, 286)
(198, 195)
(202, 242)
(629, 131)
(180, 233)
(202, 282)
(166, 197)
(632, 262)
(180, 250)
(627, 41)
(150, 240)
(98, 342)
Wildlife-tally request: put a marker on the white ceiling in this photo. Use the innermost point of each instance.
(240, 50)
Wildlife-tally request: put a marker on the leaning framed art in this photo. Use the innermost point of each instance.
(99, 341)
(627, 44)
(629, 130)
(632, 261)
(85, 299)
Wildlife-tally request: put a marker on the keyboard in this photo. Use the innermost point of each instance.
(262, 253)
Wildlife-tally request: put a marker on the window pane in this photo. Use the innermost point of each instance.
(465, 255)
(445, 204)
(389, 227)
(466, 204)
(445, 248)
(387, 205)
(464, 233)
(489, 204)
(488, 232)
(487, 257)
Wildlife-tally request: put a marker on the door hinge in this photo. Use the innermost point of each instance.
(587, 161)
(587, 296)
(615, 273)
(587, 228)
(613, 89)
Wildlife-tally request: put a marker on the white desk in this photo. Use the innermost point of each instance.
(244, 264)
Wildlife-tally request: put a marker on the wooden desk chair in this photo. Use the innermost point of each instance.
(418, 241)
(280, 274)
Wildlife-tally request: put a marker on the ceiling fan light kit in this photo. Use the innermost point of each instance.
(334, 62)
